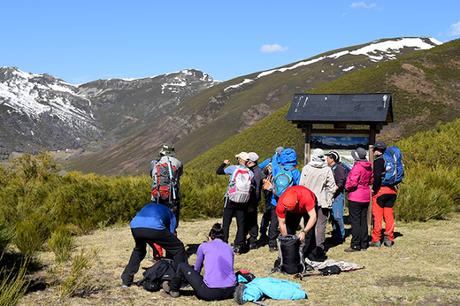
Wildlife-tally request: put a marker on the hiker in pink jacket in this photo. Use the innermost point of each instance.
(358, 185)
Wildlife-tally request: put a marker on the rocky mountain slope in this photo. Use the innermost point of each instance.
(229, 108)
(41, 112)
(425, 87)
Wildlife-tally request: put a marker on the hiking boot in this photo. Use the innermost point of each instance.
(253, 246)
(167, 288)
(376, 244)
(273, 249)
(352, 249)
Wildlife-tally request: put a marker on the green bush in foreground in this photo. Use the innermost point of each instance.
(13, 285)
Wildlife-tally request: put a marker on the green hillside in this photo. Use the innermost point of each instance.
(425, 92)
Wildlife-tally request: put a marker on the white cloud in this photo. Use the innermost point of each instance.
(272, 48)
(363, 5)
(455, 29)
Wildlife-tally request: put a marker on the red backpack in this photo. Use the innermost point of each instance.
(164, 182)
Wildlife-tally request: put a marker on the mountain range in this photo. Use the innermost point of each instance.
(120, 123)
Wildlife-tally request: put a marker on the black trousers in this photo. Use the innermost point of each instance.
(273, 230)
(143, 236)
(186, 273)
(292, 223)
(237, 210)
(266, 218)
(252, 227)
(358, 220)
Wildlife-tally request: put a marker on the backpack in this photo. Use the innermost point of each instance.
(394, 168)
(162, 270)
(290, 259)
(239, 188)
(164, 181)
(282, 180)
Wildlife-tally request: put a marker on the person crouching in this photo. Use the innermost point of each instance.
(219, 281)
(295, 203)
(155, 223)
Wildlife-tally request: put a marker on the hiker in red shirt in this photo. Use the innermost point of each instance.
(295, 203)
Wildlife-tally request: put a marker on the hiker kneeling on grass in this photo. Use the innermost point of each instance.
(154, 223)
(219, 281)
(295, 203)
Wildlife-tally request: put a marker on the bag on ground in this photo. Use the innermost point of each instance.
(290, 255)
(162, 270)
(239, 188)
(394, 168)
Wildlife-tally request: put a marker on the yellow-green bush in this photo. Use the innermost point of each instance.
(61, 244)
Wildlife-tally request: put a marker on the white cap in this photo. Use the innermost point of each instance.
(319, 153)
(253, 156)
(242, 155)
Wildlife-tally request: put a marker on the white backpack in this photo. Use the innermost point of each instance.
(239, 187)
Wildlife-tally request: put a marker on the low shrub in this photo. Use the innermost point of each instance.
(428, 195)
(31, 233)
(61, 244)
(77, 281)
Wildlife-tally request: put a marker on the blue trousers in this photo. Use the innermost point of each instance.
(338, 227)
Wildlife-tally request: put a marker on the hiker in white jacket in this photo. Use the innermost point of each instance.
(319, 178)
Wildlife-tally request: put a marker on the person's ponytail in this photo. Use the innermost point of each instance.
(216, 232)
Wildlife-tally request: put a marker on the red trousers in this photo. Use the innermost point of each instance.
(382, 208)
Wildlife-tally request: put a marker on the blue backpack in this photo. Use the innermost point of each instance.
(282, 180)
(394, 168)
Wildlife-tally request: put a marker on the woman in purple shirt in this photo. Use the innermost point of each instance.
(219, 281)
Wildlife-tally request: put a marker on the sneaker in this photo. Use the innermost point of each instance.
(124, 286)
(389, 243)
(376, 244)
(263, 241)
(352, 249)
(253, 246)
(273, 249)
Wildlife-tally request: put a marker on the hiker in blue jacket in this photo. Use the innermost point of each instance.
(288, 164)
(154, 223)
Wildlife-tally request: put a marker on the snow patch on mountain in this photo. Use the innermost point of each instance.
(377, 51)
(245, 81)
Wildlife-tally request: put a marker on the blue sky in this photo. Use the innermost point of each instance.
(80, 41)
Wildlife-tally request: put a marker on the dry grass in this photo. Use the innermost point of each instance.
(422, 268)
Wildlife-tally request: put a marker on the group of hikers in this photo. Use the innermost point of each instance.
(294, 200)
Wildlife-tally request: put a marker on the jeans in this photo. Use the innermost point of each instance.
(186, 273)
(143, 236)
(338, 227)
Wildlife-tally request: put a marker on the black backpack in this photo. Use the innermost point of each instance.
(290, 258)
(162, 270)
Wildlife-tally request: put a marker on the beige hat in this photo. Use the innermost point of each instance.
(242, 155)
(253, 156)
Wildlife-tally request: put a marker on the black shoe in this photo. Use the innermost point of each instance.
(273, 249)
(253, 246)
(352, 249)
(263, 241)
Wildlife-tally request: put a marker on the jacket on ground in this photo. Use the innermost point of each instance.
(155, 216)
(359, 181)
(273, 288)
(318, 177)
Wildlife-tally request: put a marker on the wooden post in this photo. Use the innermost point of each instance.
(371, 159)
(307, 149)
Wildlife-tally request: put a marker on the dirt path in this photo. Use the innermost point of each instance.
(422, 268)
